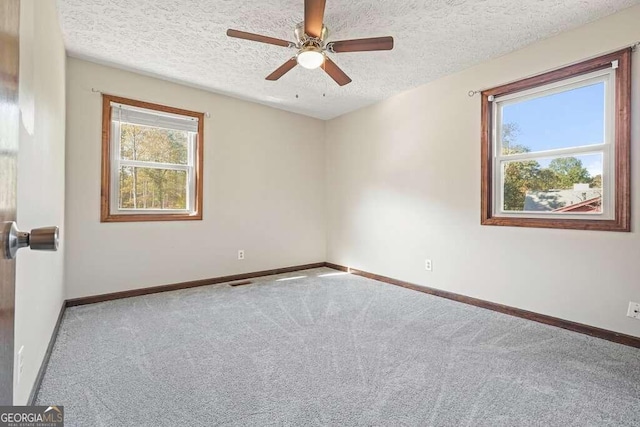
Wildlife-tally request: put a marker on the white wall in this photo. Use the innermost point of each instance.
(39, 275)
(263, 191)
(403, 185)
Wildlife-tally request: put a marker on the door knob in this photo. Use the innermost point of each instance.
(40, 239)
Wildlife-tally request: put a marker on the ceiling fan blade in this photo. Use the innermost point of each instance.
(284, 69)
(335, 72)
(362, 45)
(313, 17)
(258, 38)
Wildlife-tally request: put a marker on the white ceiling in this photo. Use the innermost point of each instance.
(185, 41)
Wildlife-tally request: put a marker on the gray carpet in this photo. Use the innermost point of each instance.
(330, 350)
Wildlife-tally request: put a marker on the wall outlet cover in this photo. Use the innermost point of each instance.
(427, 265)
(634, 310)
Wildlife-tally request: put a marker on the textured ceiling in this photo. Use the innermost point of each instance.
(185, 41)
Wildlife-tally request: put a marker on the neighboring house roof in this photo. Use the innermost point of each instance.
(591, 205)
(587, 200)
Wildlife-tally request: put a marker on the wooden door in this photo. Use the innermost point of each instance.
(9, 134)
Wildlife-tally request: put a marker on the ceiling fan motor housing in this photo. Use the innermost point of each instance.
(304, 40)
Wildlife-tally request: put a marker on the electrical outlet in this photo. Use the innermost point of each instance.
(634, 310)
(241, 254)
(427, 265)
(20, 363)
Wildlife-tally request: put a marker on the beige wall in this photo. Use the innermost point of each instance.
(403, 185)
(39, 275)
(263, 191)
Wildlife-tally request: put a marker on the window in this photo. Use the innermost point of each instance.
(556, 148)
(151, 162)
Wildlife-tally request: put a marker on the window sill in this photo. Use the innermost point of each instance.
(567, 224)
(150, 217)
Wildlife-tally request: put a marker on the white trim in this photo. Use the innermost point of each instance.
(154, 165)
(554, 215)
(559, 152)
(609, 156)
(116, 163)
(606, 148)
(556, 87)
(115, 166)
(127, 211)
(153, 118)
(191, 172)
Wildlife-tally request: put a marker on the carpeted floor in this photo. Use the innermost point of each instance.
(329, 348)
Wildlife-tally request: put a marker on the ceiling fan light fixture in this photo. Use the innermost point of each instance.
(311, 42)
(310, 58)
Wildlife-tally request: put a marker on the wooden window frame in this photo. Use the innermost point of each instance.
(622, 146)
(105, 197)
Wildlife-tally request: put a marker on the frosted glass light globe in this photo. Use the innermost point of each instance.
(310, 59)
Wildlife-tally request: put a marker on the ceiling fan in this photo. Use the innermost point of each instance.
(312, 45)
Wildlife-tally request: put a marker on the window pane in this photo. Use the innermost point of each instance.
(567, 119)
(147, 188)
(562, 185)
(149, 144)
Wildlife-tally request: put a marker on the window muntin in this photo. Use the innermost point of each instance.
(608, 79)
(152, 162)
